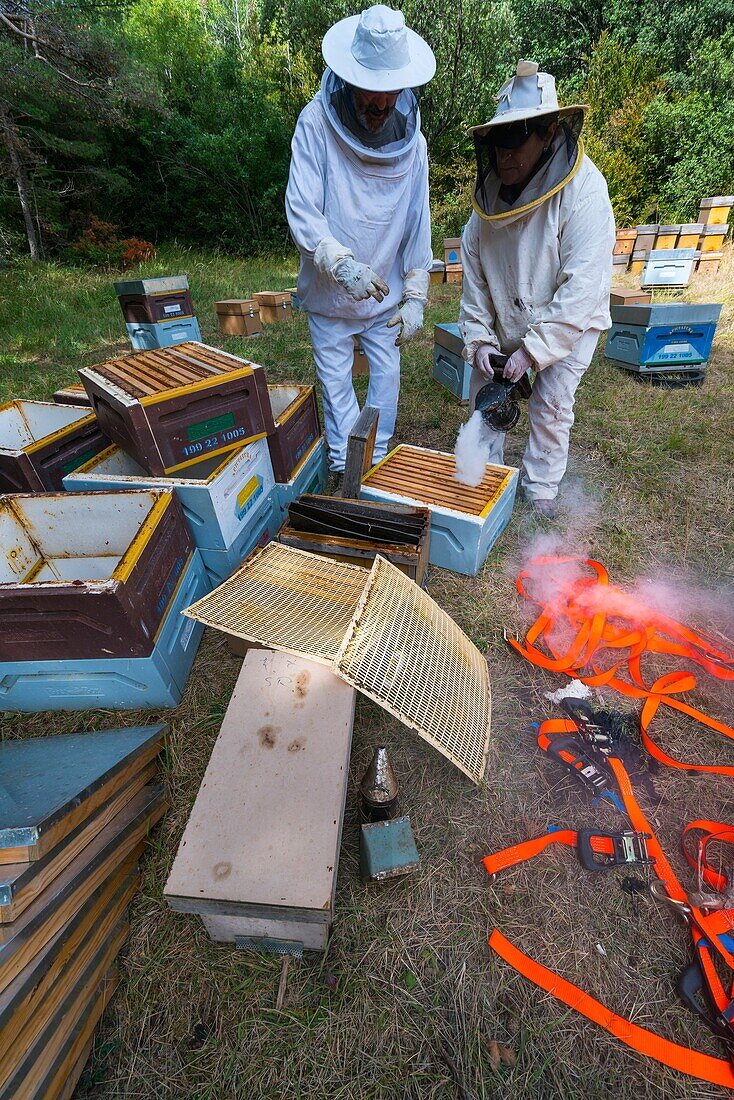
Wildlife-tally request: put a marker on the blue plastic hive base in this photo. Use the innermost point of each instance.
(659, 345)
(115, 683)
(310, 478)
(452, 371)
(164, 334)
(459, 542)
(262, 528)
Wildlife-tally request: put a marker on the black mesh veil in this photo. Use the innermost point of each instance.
(552, 169)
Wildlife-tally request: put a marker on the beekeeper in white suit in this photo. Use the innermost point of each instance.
(537, 261)
(357, 206)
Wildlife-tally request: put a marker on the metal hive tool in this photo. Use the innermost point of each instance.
(379, 631)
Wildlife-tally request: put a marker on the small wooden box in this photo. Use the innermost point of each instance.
(713, 237)
(411, 560)
(296, 418)
(465, 522)
(667, 237)
(452, 250)
(259, 856)
(715, 210)
(178, 406)
(646, 235)
(41, 441)
(238, 317)
(625, 242)
(637, 262)
(360, 366)
(454, 273)
(709, 262)
(690, 235)
(628, 296)
(437, 273)
(275, 306)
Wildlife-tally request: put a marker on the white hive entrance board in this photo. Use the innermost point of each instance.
(259, 855)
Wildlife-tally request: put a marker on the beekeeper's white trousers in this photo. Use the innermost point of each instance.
(550, 412)
(333, 350)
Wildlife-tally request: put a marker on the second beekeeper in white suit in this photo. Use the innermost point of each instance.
(537, 265)
(357, 206)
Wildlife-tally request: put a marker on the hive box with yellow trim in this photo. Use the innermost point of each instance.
(116, 683)
(172, 408)
(88, 575)
(41, 441)
(219, 497)
(465, 522)
(296, 418)
(258, 858)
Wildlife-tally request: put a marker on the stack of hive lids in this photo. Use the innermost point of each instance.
(74, 814)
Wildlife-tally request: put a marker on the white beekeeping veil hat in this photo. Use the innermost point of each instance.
(375, 51)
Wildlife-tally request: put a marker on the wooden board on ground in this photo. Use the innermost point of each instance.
(121, 840)
(51, 784)
(21, 883)
(264, 834)
(27, 996)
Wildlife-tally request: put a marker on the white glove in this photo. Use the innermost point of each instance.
(410, 319)
(360, 281)
(482, 359)
(517, 365)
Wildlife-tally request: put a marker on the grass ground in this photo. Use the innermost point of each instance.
(408, 997)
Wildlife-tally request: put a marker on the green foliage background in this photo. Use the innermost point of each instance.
(183, 129)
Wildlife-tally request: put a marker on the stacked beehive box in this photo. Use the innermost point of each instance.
(40, 442)
(452, 259)
(623, 248)
(74, 815)
(92, 586)
(670, 341)
(158, 312)
(450, 368)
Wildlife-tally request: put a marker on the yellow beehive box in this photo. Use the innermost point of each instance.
(715, 210)
(667, 237)
(625, 242)
(712, 238)
(690, 235)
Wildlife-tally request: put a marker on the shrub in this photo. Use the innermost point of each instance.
(99, 246)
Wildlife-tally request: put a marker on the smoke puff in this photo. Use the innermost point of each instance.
(472, 451)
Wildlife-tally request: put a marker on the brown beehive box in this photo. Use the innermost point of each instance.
(709, 262)
(41, 442)
(360, 365)
(85, 576)
(149, 309)
(275, 306)
(454, 273)
(238, 317)
(646, 235)
(174, 407)
(625, 242)
(74, 394)
(629, 296)
(411, 559)
(296, 418)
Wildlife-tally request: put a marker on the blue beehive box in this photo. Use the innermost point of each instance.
(465, 521)
(219, 496)
(260, 529)
(450, 368)
(116, 683)
(310, 477)
(669, 267)
(164, 334)
(661, 337)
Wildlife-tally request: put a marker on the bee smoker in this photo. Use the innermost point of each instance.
(379, 788)
(497, 400)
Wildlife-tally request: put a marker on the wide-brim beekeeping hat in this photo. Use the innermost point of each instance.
(375, 51)
(528, 95)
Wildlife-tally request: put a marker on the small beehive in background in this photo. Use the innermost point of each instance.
(360, 366)
(669, 267)
(173, 408)
(454, 273)
(238, 317)
(620, 263)
(465, 521)
(708, 263)
(450, 369)
(628, 296)
(646, 236)
(437, 273)
(452, 250)
(275, 306)
(637, 262)
(667, 237)
(295, 300)
(690, 235)
(41, 441)
(713, 237)
(658, 338)
(75, 811)
(91, 589)
(625, 242)
(259, 856)
(158, 312)
(715, 210)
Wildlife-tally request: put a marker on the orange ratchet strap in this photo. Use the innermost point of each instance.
(706, 927)
(602, 621)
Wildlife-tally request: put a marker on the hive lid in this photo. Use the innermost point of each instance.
(692, 227)
(151, 372)
(379, 631)
(715, 230)
(717, 200)
(166, 284)
(647, 228)
(669, 229)
(670, 254)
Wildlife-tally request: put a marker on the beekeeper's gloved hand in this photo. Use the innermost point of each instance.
(482, 359)
(410, 318)
(517, 365)
(360, 281)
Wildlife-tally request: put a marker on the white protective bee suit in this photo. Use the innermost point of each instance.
(537, 273)
(347, 199)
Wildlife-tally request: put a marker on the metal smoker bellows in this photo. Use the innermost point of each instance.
(377, 630)
(497, 400)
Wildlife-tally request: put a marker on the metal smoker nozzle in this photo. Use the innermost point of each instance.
(379, 788)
